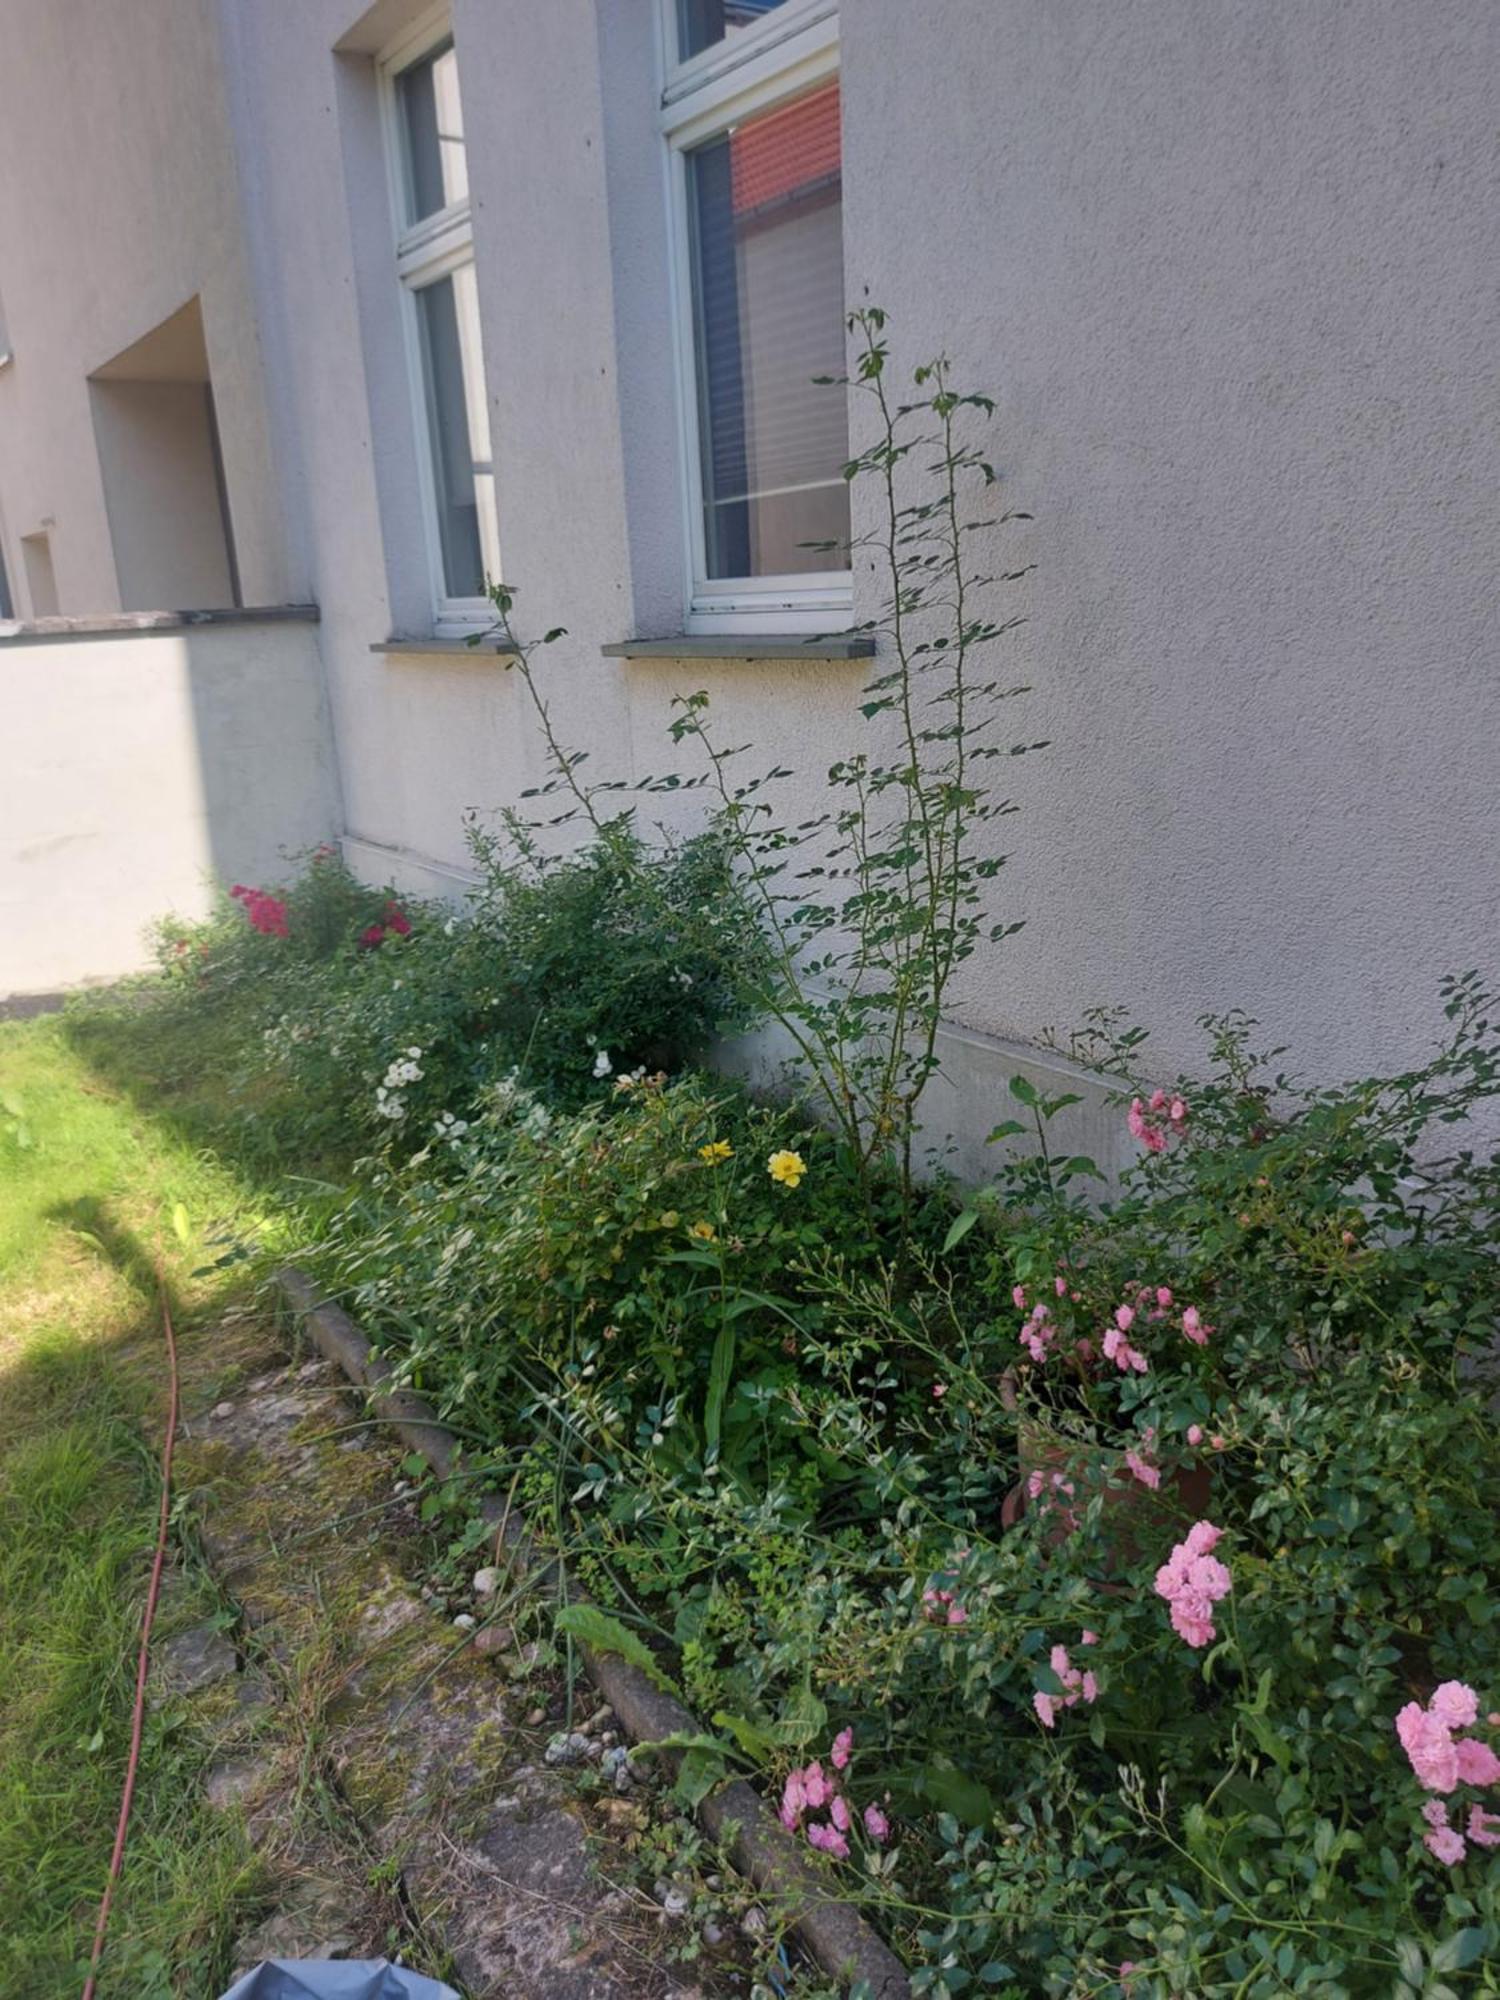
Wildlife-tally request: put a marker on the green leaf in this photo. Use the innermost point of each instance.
(942, 1784)
(182, 1229)
(959, 1228)
(1022, 1091)
(802, 1720)
(720, 1370)
(1461, 1950)
(597, 1629)
(701, 1769)
(752, 1738)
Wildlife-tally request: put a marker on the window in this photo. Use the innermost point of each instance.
(752, 124)
(435, 264)
(701, 23)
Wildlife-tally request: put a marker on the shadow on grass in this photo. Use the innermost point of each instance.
(79, 1496)
(182, 1063)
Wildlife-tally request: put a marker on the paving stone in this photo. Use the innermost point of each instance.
(192, 1660)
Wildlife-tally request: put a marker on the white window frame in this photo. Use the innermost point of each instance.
(792, 50)
(426, 252)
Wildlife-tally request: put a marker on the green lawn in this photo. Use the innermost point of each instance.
(89, 1186)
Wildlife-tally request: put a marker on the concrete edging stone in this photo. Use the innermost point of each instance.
(836, 1936)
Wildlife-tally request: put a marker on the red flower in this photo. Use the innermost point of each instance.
(267, 913)
(398, 920)
(372, 937)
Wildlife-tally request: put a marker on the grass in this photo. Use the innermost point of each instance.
(91, 1185)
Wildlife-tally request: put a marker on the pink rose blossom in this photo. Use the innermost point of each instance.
(1088, 1638)
(1119, 1350)
(1018, 1295)
(1193, 1327)
(1484, 1827)
(877, 1826)
(1195, 1434)
(939, 1389)
(1060, 1285)
(1076, 1686)
(830, 1841)
(1447, 1845)
(1455, 1704)
(843, 1744)
(838, 1812)
(1124, 1318)
(1477, 1762)
(793, 1801)
(1148, 1475)
(1192, 1581)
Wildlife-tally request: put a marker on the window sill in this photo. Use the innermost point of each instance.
(727, 646)
(482, 648)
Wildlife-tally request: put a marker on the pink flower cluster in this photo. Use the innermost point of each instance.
(1078, 1686)
(1040, 1330)
(1150, 1121)
(1444, 1760)
(267, 913)
(1142, 1304)
(1192, 1580)
(812, 1789)
(1154, 1305)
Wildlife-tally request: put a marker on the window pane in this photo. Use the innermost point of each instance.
(432, 125)
(458, 422)
(768, 284)
(701, 23)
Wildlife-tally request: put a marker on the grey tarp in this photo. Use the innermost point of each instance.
(335, 1979)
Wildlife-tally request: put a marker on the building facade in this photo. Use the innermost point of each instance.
(314, 306)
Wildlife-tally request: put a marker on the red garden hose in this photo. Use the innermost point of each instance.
(144, 1657)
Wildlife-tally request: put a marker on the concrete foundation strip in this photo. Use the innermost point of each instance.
(834, 1933)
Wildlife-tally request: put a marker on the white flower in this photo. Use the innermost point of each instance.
(415, 1054)
(602, 1063)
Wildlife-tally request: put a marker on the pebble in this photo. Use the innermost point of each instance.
(754, 1923)
(465, 1621)
(486, 1582)
(675, 1900)
(536, 1718)
(495, 1639)
(712, 1934)
(223, 1409)
(600, 1719)
(567, 1748)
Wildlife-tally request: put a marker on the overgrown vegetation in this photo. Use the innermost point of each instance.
(1102, 1579)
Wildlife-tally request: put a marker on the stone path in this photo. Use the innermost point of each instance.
(393, 1777)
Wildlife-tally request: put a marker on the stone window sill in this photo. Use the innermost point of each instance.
(728, 646)
(407, 648)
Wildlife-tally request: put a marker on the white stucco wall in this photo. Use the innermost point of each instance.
(140, 767)
(118, 204)
(1229, 272)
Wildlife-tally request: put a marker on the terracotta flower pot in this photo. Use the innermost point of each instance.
(1138, 1519)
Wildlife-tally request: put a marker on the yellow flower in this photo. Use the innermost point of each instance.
(704, 1231)
(788, 1168)
(715, 1152)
